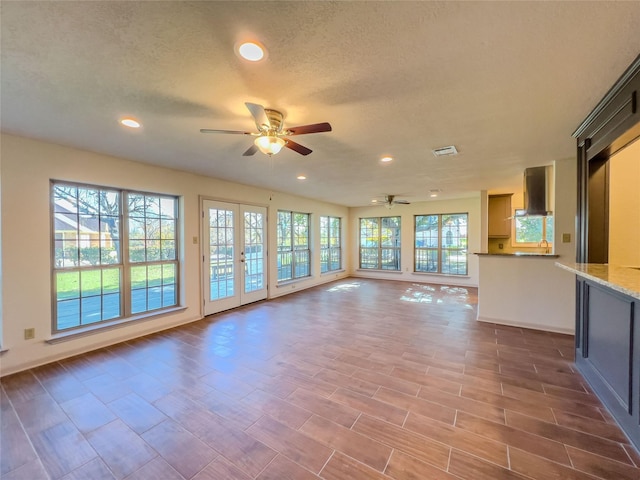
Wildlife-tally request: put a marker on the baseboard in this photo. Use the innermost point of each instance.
(532, 326)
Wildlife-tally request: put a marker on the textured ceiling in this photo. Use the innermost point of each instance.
(506, 83)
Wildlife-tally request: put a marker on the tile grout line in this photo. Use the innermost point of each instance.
(386, 465)
(325, 463)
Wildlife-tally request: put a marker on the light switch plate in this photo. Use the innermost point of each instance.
(566, 238)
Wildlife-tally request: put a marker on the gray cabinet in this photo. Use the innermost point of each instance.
(608, 351)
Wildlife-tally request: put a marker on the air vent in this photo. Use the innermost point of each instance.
(445, 151)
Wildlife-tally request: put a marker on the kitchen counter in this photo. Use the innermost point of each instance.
(621, 279)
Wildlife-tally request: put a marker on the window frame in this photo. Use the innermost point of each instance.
(122, 261)
(441, 249)
(381, 249)
(328, 251)
(293, 250)
(514, 230)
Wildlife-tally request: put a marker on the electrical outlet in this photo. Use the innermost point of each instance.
(195, 240)
(29, 333)
(500, 246)
(566, 238)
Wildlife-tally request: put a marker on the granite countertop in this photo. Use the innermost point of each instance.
(519, 254)
(620, 278)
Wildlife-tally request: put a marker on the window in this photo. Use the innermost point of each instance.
(330, 248)
(380, 243)
(441, 243)
(532, 229)
(293, 245)
(105, 268)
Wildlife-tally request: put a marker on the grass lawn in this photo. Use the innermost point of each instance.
(87, 283)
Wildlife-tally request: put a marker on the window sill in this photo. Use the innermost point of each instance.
(450, 275)
(378, 271)
(331, 272)
(102, 327)
(284, 283)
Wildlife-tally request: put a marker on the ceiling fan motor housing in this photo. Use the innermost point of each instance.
(275, 118)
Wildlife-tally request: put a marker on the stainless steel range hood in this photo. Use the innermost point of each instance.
(538, 190)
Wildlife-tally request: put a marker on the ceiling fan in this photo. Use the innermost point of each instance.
(390, 201)
(270, 137)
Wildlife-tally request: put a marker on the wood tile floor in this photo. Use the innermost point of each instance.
(358, 379)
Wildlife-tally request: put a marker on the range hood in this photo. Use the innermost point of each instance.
(538, 191)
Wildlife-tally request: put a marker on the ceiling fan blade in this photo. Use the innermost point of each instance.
(250, 151)
(401, 202)
(236, 132)
(314, 128)
(296, 147)
(259, 115)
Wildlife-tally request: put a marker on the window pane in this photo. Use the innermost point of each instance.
(111, 306)
(168, 250)
(110, 280)
(153, 250)
(91, 283)
(154, 275)
(549, 228)
(91, 308)
(427, 260)
(302, 268)
(68, 314)
(152, 228)
(390, 259)
(137, 251)
(152, 207)
(284, 266)
(369, 232)
(369, 258)
(528, 229)
(67, 285)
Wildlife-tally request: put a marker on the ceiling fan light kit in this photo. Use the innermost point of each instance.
(270, 145)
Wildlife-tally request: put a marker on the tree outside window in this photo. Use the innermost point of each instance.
(532, 229)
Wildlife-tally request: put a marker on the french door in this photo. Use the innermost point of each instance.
(234, 255)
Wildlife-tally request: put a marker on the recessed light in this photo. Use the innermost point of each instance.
(130, 122)
(374, 201)
(386, 159)
(252, 51)
(434, 192)
(301, 177)
(433, 195)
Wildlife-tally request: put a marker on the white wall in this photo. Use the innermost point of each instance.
(472, 206)
(27, 168)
